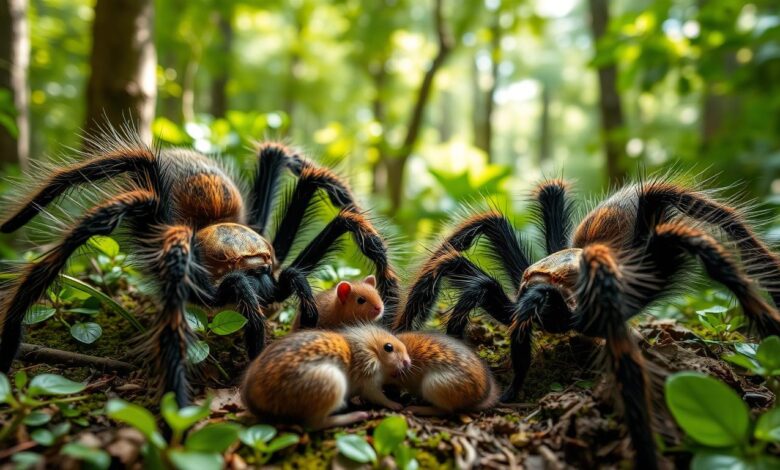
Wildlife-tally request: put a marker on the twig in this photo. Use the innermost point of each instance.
(35, 353)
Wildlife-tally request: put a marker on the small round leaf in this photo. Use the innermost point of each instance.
(38, 313)
(707, 410)
(768, 354)
(198, 351)
(213, 438)
(37, 418)
(94, 458)
(389, 434)
(227, 322)
(355, 448)
(186, 460)
(51, 384)
(135, 416)
(281, 442)
(768, 426)
(258, 434)
(87, 332)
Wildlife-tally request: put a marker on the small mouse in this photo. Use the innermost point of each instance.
(447, 374)
(306, 376)
(349, 303)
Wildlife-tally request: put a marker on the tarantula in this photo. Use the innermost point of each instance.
(626, 253)
(199, 239)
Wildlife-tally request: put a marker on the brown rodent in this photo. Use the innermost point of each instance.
(349, 303)
(306, 376)
(446, 374)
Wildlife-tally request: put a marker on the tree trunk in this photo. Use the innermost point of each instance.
(484, 135)
(379, 171)
(122, 86)
(14, 62)
(219, 98)
(612, 123)
(544, 125)
(397, 164)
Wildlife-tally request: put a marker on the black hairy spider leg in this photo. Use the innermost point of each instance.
(541, 304)
(370, 244)
(520, 354)
(138, 159)
(508, 249)
(248, 293)
(311, 178)
(483, 292)
(272, 158)
(554, 209)
(760, 262)
(171, 335)
(100, 220)
(481, 289)
(293, 281)
(671, 241)
(601, 299)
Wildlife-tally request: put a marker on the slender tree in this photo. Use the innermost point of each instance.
(224, 26)
(122, 84)
(14, 62)
(395, 163)
(612, 122)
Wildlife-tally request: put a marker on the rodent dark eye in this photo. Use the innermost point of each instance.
(388, 347)
(361, 301)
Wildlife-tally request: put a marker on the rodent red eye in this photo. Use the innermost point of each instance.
(361, 300)
(388, 347)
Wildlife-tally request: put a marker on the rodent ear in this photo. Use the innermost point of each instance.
(342, 291)
(370, 280)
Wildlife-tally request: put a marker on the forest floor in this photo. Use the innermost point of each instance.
(565, 416)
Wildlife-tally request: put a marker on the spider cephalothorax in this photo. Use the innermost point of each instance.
(199, 239)
(626, 253)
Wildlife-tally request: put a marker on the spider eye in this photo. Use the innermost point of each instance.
(361, 301)
(388, 347)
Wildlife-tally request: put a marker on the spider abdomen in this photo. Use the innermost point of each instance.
(202, 191)
(228, 247)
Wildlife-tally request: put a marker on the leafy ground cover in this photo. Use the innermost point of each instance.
(717, 409)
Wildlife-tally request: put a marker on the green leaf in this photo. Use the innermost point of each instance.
(20, 379)
(181, 419)
(283, 441)
(404, 458)
(213, 438)
(768, 426)
(37, 418)
(43, 437)
(196, 318)
(746, 349)
(106, 245)
(713, 461)
(389, 434)
(5, 389)
(227, 322)
(25, 460)
(768, 354)
(87, 333)
(135, 416)
(707, 410)
(60, 429)
(258, 434)
(355, 448)
(112, 304)
(92, 458)
(744, 362)
(185, 460)
(38, 313)
(51, 384)
(198, 351)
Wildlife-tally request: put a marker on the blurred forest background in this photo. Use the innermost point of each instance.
(424, 104)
